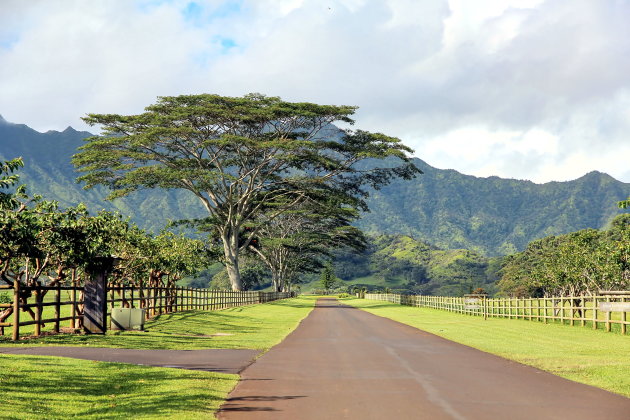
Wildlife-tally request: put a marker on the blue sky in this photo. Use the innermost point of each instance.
(528, 89)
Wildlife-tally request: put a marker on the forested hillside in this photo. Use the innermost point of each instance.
(397, 263)
(403, 264)
(492, 216)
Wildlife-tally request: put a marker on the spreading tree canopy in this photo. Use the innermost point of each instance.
(246, 158)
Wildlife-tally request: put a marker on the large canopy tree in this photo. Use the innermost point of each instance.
(246, 158)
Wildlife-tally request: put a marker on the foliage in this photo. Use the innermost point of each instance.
(492, 216)
(580, 262)
(406, 265)
(42, 243)
(300, 240)
(253, 276)
(8, 179)
(624, 204)
(327, 279)
(246, 159)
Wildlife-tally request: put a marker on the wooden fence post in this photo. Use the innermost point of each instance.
(73, 310)
(607, 316)
(623, 318)
(38, 309)
(16, 310)
(57, 307)
(594, 312)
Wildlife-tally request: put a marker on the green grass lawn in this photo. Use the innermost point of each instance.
(592, 357)
(245, 327)
(53, 387)
(37, 387)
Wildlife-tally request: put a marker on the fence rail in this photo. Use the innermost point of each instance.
(48, 306)
(587, 311)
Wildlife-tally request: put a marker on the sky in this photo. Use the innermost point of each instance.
(525, 89)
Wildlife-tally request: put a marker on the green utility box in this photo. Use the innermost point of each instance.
(127, 319)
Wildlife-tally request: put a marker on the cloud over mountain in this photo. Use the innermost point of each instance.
(518, 88)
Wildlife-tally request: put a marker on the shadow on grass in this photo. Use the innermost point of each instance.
(254, 327)
(47, 387)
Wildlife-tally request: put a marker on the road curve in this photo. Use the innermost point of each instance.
(210, 360)
(344, 363)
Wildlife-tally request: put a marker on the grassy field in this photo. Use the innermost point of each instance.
(592, 357)
(36, 387)
(243, 327)
(53, 387)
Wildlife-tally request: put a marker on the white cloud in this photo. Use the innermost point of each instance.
(517, 88)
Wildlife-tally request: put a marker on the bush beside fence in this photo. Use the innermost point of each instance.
(585, 311)
(51, 305)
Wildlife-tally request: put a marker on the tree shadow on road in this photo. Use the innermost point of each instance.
(233, 404)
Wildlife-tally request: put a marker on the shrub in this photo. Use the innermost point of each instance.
(5, 298)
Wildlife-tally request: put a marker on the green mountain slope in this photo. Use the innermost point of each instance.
(48, 172)
(492, 216)
(401, 263)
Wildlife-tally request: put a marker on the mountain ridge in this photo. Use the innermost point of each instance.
(490, 215)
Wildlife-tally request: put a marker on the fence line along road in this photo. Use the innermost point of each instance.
(608, 312)
(65, 303)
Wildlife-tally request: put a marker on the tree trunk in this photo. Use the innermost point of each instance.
(230, 250)
(275, 279)
(234, 274)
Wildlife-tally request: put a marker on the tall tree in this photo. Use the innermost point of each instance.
(299, 240)
(327, 279)
(244, 158)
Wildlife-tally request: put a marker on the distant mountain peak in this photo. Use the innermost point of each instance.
(2, 120)
(597, 175)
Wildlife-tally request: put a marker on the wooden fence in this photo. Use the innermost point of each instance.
(607, 312)
(49, 306)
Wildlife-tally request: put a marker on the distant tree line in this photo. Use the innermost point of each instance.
(582, 262)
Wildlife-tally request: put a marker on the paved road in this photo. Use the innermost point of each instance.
(344, 363)
(212, 360)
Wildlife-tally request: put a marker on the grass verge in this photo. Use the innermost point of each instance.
(55, 387)
(592, 357)
(245, 327)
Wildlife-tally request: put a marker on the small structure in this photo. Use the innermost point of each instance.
(95, 295)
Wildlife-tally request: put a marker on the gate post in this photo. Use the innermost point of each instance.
(95, 296)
